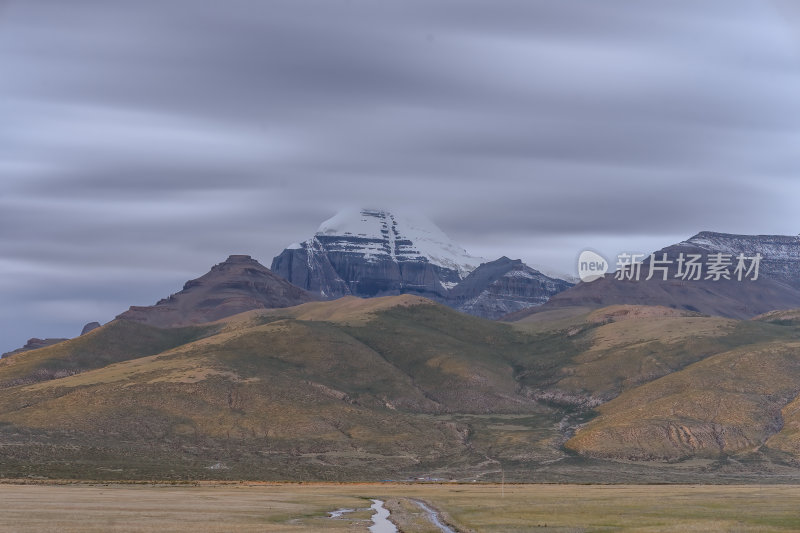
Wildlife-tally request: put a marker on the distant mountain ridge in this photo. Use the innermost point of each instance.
(777, 286)
(503, 286)
(375, 252)
(780, 254)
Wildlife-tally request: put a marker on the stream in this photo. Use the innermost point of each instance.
(380, 517)
(433, 516)
(380, 520)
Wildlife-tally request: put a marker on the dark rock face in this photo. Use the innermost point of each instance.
(333, 274)
(33, 344)
(371, 253)
(777, 286)
(503, 286)
(375, 253)
(238, 284)
(311, 270)
(89, 327)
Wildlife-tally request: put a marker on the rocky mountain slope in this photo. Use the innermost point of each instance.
(373, 252)
(240, 283)
(777, 285)
(503, 286)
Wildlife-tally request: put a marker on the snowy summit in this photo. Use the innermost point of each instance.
(376, 252)
(379, 233)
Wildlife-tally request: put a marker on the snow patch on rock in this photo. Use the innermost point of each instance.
(375, 233)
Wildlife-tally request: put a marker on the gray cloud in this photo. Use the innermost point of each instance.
(141, 142)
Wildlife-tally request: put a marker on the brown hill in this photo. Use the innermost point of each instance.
(238, 284)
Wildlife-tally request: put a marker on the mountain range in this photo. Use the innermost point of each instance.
(245, 374)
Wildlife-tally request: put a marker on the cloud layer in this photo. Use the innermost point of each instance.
(141, 142)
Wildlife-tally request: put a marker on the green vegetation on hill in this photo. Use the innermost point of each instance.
(120, 340)
(399, 386)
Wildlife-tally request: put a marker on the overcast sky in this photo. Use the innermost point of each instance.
(143, 141)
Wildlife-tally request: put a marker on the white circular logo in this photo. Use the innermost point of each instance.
(591, 266)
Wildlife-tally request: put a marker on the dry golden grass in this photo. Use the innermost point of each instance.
(114, 342)
(788, 439)
(622, 312)
(626, 346)
(725, 403)
(139, 508)
(779, 315)
(352, 310)
(553, 319)
(304, 507)
(390, 387)
(666, 329)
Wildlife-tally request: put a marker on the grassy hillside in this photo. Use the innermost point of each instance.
(591, 358)
(116, 341)
(338, 390)
(399, 386)
(728, 403)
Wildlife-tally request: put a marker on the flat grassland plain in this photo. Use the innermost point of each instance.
(295, 507)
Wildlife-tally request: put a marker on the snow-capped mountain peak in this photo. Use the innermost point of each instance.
(378, 233)
(377, 252)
